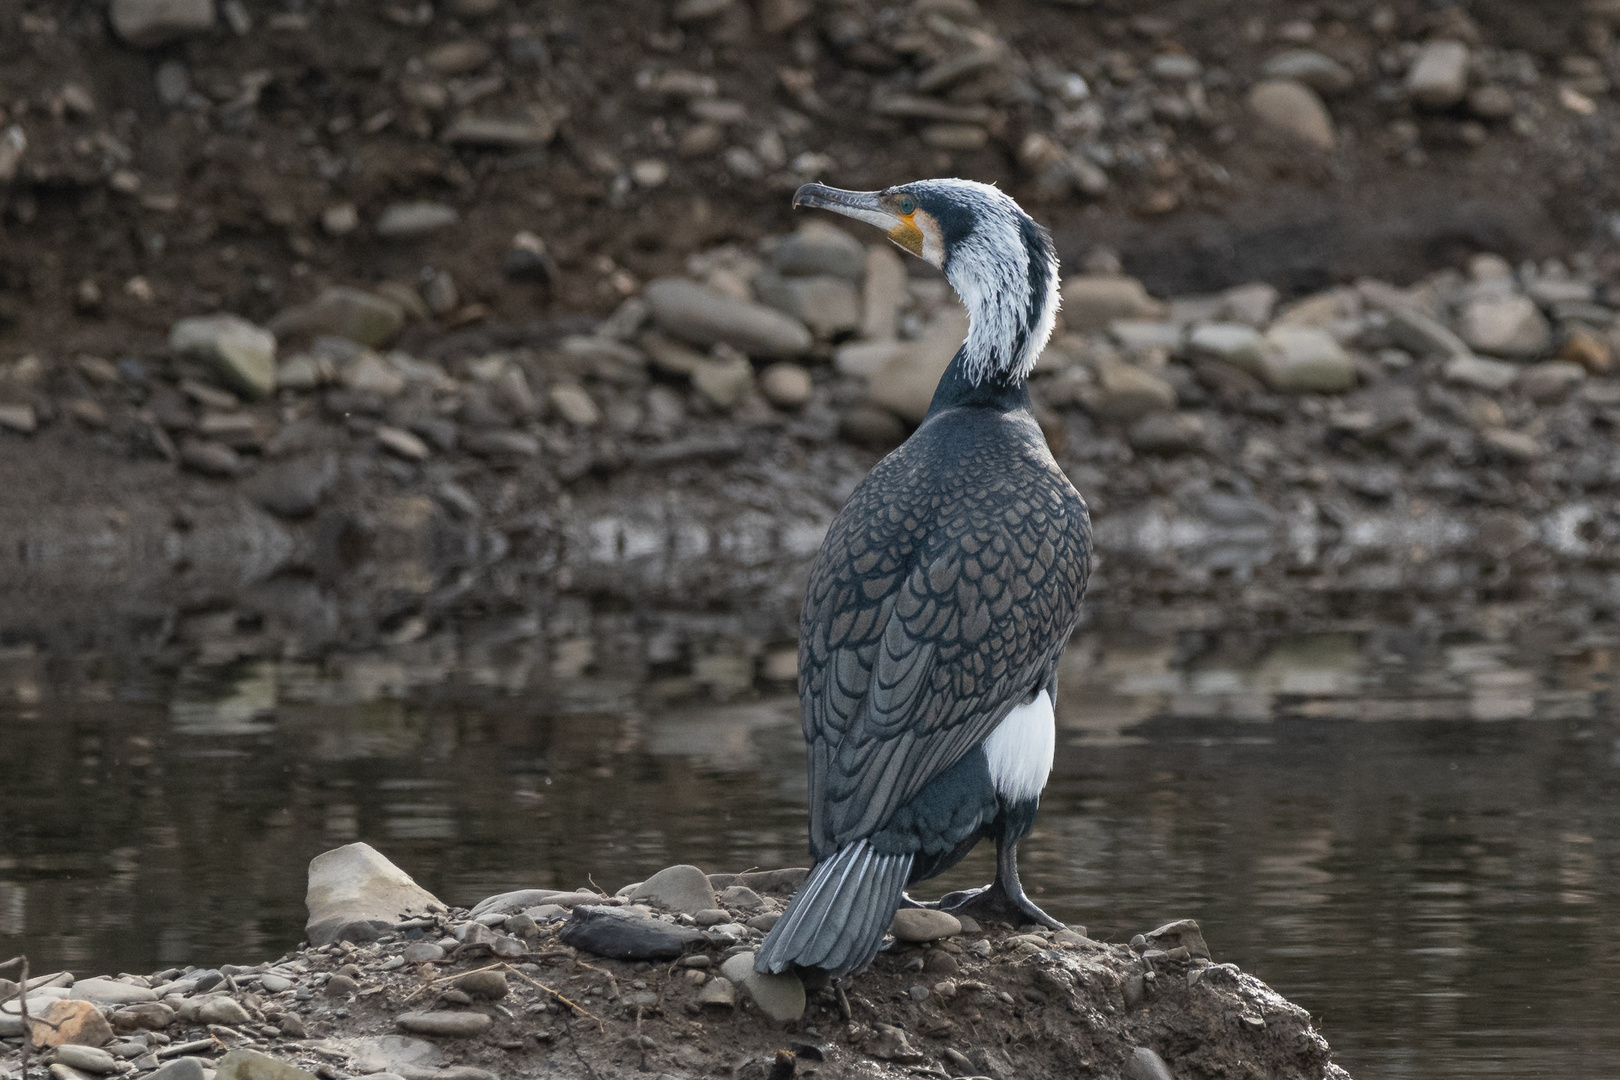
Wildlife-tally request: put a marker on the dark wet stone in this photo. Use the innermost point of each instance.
(625, 935)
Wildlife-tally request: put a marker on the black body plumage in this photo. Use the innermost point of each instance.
(942, 596)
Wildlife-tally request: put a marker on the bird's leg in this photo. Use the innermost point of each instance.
(1004, 899)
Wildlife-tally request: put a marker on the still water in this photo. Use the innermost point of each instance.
(1414, 834)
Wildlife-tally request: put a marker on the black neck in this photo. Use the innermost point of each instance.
(999, 390)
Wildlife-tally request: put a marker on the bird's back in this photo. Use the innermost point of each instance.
(941, 596)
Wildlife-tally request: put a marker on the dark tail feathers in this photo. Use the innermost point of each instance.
(837, 919)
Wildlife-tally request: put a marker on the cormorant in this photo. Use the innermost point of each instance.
(938, 604)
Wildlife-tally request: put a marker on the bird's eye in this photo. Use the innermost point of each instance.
(908, 205)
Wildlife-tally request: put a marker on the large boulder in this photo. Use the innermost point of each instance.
(356, 884)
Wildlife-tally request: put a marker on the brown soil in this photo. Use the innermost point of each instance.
(223, 210)
(1001, 1004)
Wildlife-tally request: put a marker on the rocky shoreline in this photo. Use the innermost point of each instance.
(1362, 452)
(658, 979)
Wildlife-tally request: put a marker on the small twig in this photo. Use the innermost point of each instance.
(843, 1001)
(542, 986)
(22, 998)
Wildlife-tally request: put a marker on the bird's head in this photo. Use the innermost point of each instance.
(999, 261)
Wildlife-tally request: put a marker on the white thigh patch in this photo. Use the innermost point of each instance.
(1020, 750)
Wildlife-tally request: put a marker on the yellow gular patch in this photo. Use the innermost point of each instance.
(908, 236)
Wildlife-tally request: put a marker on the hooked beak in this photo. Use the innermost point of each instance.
(864, 206)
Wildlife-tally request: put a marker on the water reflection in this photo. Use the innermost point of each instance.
(1415, 834)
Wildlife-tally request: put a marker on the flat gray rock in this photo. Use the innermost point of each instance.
(355, 883)
(625, 935)
(677, 888)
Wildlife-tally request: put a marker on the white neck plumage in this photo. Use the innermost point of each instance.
(1011, 305)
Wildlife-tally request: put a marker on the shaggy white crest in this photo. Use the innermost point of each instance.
(1006, 272)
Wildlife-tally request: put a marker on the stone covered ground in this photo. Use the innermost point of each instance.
(352, 327)
(658, 981)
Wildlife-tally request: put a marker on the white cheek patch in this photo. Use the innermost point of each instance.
(1020, 750)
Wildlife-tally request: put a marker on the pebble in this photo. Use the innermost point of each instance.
(19, 418)
(1550, 382)
(252, 1065)
(883, 293)
(725, 382)
(1095, 301)
(1144, 1064)
(828, 305)
(242, 354)
(909, 375)
(65, 1021)
(1310, 68)
(1439, 76)
(819, 249)
(454, 1024)
(1124, 393)
(719, 992)
(924, 924)
(625, 935)
(408, 221)
(689, 311)
(1294, 110)
(574, 405)
(1491, 102)
(357, 883)
(1587, 349)
(1167, 433)
(146, 1016)
(1238, 344)
(500, 443)
(296, 487)
(1506, 325)
(370, 375)
(341, 986)
(490, 985)
(181, 1068)
(402, 444)
(786, 385)
(780, 997)
(211, 458)
(711, 917)
(681, 888)
(275, 984)
(1182, 933)
(146, 23)
(1515, 446)
(340, 219)
(345, 312)
(88, 1059)
(497, 134)
(1304, 359)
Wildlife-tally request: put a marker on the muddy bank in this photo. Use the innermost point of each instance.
(658, 980)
